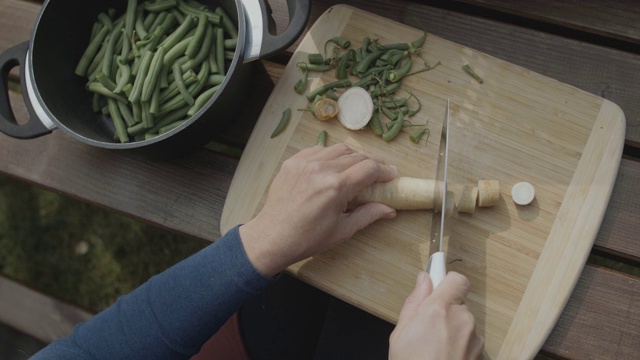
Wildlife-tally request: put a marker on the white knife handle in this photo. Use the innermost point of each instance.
(437, 267)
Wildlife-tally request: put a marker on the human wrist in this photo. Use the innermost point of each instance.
(264, 258)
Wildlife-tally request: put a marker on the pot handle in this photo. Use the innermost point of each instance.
(261, 39)
(12, 57)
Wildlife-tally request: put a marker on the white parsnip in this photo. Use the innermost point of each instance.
(467, 199)
(356, 108)
(488, 193)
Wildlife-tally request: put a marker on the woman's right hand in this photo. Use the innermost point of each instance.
(436, 324)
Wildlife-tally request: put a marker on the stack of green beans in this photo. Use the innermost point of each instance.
(375, 67)
(153, 67)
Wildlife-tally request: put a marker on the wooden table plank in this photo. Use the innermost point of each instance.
(601, 319)
(612, 19)
(36, 314)
(620, 227)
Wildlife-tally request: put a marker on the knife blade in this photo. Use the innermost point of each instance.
(436, 266)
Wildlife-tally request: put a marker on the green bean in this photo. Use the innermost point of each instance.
(395, 103)
(141, 31)
(340, 41)
(202, 100)
(375, 123)
(127, 89)
(213, 64)
(284, 121)
(171, 126)
(228, 55)
(230, 44)
(203, 76)
(312, 67)
(397, 46)
(136, 129)
(177, 75)
(418, 42)
(415, 137)
(187, 9)
(315, 59)
(472, 73)
(98, 88)
(111, 12)
(153, 74)
(97, 61)
(322, 138)
(215, 79)
(145, 63)
(331, 95)
(195, 42)
(179, 34)
(189, 78)
(323, 89)
(95, 29)
(126, 113)
(109, 51)
(105, 81)
(154, 107)
(147, 117)
(158, 20)
(365, 81)
(90, 52)
(397, 74)
(149, 20)
(118, 123)
(171, 56)
(227, 24)
(136, 109)
(301, 86)
(341, 69)
(125, 74)
(161, 31)
(202, 52)
(220, 50)
(105, 20)
(105, 110)
(159, 5)
(390, 114)
(95, 102)
(368, 60)
(174, 115)
(395, 130)
(129, 23)
(179, 15)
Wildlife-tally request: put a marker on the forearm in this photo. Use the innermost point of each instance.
(174, 313)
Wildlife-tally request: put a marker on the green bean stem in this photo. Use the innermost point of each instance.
(472, 73)
(415, 137)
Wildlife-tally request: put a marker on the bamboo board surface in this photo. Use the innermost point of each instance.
(523, 262)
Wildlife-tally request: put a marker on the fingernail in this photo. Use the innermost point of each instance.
(420, 279)
(390, 215)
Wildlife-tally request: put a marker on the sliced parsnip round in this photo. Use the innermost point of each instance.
(356, 108)
(523, 193)
(488, 192)
(468, 199)
(325, 109)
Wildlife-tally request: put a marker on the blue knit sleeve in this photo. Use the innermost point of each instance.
(173, 314)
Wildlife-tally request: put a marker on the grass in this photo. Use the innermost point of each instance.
(77, 252)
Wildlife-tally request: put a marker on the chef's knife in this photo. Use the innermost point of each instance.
(437, 267)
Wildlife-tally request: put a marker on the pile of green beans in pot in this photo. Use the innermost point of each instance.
(153, 67)
(378, 68)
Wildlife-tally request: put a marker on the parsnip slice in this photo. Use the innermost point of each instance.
(356, 108)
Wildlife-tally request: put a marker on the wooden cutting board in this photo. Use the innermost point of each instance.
(523, 261)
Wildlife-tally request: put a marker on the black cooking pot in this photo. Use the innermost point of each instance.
(56, 97)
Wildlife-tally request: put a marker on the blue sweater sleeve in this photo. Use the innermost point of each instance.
(173, 314)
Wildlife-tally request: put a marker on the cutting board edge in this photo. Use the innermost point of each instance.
(521, 342)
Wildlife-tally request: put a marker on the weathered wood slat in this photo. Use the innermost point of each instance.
(612, 19)
(36, 314)
(601, 319)
(620, 227)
